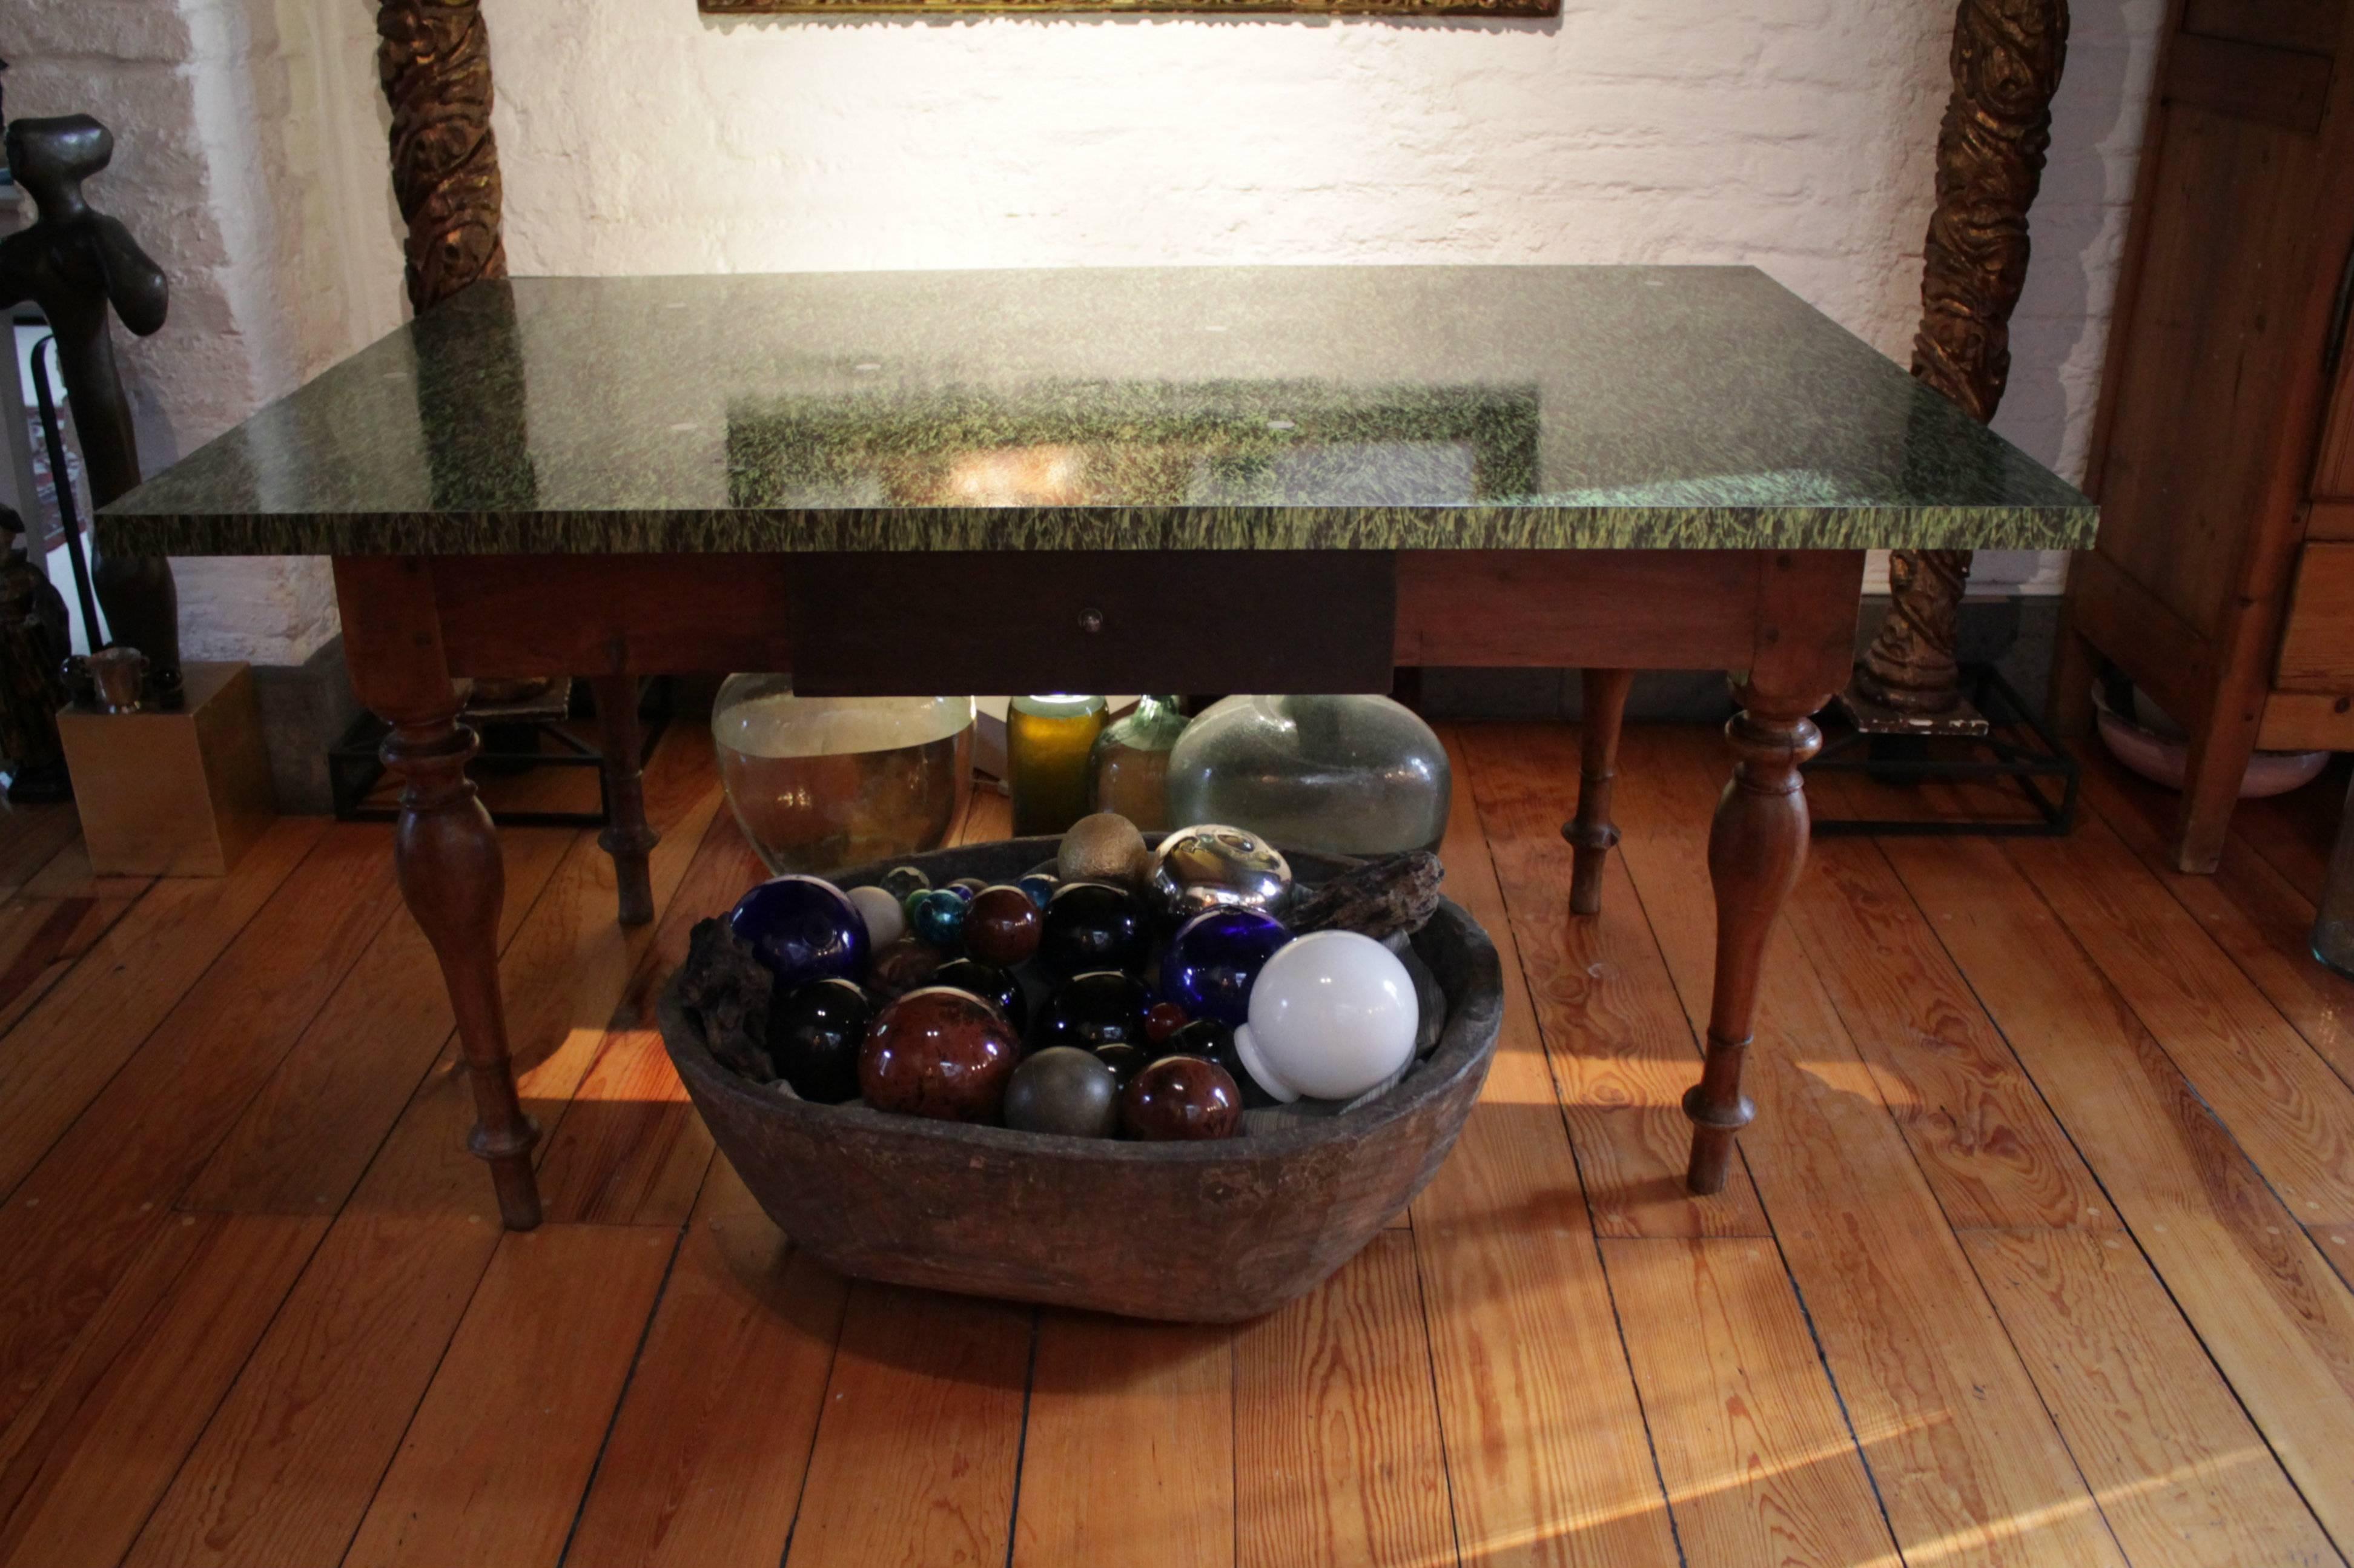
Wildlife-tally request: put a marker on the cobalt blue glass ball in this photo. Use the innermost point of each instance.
(804, 929)
(1215, 956)
(937, 917)
(1039, 887)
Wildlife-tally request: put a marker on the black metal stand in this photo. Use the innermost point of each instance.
(511, 745)
(2014, 749)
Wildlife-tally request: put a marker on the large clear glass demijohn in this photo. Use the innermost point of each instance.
(1343, 775)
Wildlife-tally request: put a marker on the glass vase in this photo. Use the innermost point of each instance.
(1131, 764)
(820, 783)
(1047, 743)
(1342, 775)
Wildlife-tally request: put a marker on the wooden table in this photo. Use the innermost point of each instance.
(1177, 480)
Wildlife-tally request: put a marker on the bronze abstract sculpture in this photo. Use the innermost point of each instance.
(76, 262)
(34, 642)
(2007, 59)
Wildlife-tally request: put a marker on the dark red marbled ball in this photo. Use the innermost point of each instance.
(1181, 1098)
(938, 1052)
(1161, 1020)
(1002, 927)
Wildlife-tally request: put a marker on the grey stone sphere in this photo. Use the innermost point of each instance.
(1065, 1091)
(1212, 867)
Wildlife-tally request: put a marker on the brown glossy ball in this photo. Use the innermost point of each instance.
(1181, 1098)
(1002, 927)
(938, 1052)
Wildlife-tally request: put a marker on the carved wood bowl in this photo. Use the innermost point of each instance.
(1205, 1233)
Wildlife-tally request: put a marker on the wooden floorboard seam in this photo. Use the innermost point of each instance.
(1022, 1440)
(1438, 1405)
(2190, 1084)
(613, 1416)
(99, 1092)
(1593, 1236)
(228, 1385)
(2092, 1170)
(2173, 891)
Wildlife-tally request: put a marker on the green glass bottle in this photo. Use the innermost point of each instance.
(1047, 741)
(1131, 764)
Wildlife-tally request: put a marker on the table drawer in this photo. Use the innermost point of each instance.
(1256, 620)
(2316, 646)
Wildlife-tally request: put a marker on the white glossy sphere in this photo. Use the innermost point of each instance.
(886, 920)
(1332, 1015)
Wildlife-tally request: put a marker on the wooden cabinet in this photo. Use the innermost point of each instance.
(2223, 452)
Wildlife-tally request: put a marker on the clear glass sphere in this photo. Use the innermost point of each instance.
(820, 783)
(1345, 775)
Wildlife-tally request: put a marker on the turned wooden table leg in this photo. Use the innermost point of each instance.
(451, 874)
(1592, 832)
(1757, 847)
(626, 836)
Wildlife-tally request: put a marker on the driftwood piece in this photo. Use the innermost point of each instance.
(1393, 896)
(728, 988)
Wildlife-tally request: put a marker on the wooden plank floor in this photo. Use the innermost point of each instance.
(2039, 1252)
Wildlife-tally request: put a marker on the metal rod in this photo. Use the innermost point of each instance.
(61, 483)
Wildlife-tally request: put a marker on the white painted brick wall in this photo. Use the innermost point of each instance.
(1795, 134)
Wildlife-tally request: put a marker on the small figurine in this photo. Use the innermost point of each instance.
(940, 1054)
(35, 638)
(804, 929)
(75, 262)
(1065, 1091)
(1332, 1015)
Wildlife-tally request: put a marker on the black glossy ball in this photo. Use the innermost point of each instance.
(1124, 1060)
(814, 1038)
(1094, 926)
(1214, 1041)
(992, 984)
(1092, 1010)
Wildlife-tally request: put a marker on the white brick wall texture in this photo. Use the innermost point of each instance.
(1793, 135)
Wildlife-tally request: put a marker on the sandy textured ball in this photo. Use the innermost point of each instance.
(1065, 1091)
(940, 1054)
(1181, 1099)
(1106, 847)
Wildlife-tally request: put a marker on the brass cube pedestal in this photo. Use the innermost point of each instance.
(176, 794)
